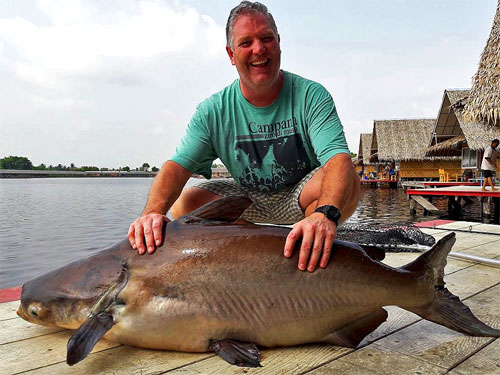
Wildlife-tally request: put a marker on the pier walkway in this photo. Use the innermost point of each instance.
(404, 344)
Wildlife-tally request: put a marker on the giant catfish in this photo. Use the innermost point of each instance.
(226, 287)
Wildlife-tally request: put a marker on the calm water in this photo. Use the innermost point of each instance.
(47, 222)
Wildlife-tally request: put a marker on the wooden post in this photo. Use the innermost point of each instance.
(413, 207)
(487, 210)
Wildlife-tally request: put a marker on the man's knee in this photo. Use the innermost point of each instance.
(191, 199)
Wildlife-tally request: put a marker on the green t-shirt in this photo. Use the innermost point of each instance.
(264, 148)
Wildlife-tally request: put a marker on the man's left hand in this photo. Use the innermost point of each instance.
(317, 234)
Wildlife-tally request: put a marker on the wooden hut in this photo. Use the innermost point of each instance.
(405, 142)
(483, 103)
(364, 165)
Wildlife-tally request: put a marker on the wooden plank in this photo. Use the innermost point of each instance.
(39, 351)
(376, 359)
(426, 204)
(441, 346)
(472, 280)
(487, 360)
(293, 360)
(8, 310)
(124, 360)
(18, 329)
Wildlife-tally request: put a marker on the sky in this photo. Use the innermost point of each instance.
(114, 83)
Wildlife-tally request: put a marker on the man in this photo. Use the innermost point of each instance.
(489, 164)
(280, 138)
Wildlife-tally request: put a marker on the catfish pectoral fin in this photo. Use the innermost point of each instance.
(85, 338)
(353, 333)
(239, 353)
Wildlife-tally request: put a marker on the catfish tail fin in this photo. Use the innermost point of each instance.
(445, 309)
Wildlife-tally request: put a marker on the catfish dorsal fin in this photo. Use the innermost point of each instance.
(228, 209)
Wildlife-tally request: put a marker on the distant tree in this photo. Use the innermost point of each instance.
(104, 169)
(127, 169)
(145, 167)
(41, 167)
(353, 155)
(154, 169)
(15, 162)
(72, 166)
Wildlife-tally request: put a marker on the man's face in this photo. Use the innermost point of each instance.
(255, 51)
(494, 144)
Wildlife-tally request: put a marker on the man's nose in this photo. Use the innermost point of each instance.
(258, 47)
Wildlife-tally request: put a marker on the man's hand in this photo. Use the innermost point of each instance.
(317, 233)
(150, 227)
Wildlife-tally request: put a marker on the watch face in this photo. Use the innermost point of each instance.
(331, 212)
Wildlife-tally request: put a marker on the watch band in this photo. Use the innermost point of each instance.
(331, 212)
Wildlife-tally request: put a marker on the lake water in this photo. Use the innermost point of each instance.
(48, 222)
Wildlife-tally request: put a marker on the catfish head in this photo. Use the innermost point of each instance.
(66, 296)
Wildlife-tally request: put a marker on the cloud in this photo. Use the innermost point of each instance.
(101, 64)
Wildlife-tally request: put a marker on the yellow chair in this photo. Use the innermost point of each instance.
(443, 176)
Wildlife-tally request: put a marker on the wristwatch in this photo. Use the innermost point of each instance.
(331, 212)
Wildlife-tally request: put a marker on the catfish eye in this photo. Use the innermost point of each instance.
(34, 311)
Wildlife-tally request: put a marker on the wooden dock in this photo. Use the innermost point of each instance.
(458, 196)
(404, 344)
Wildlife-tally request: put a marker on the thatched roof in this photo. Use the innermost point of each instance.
(365, 142)
(447, 125)
(450, 147)
(451, 123)
(484, 99)
(401, 139)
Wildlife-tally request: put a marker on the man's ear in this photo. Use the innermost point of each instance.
(230, 54)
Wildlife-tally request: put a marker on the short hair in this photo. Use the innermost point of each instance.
(495, 141)
(247, 7)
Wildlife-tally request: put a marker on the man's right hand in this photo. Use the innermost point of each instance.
(148, 227)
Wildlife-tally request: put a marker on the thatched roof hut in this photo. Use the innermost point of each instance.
(401, 139)
(451, 124)
(483, 103)
(365, 142)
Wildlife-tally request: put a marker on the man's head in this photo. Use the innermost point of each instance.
(247, 8)
(253, 45)
(495, 143)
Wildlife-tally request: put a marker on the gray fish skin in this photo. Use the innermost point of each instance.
(216, 281)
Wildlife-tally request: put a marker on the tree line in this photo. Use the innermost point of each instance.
(23, 163)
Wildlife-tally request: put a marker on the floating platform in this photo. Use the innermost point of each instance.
(457, 196)
(429, 184)
(404, 344)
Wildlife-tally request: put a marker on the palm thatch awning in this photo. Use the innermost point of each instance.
(365, 142)
(484, 99)
(401, 139)
(447, 125)
(450, 147)
(451, 123)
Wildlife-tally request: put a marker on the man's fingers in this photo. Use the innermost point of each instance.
(305, 248)
(327, 250)
(316, 251)
(131, 236)
(148, 235)
(139, 242)
(158, 229)
(292, 237)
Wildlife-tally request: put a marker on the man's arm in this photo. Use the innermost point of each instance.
(339, 187)
(166, 188)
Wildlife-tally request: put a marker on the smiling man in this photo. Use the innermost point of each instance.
(279, 136)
